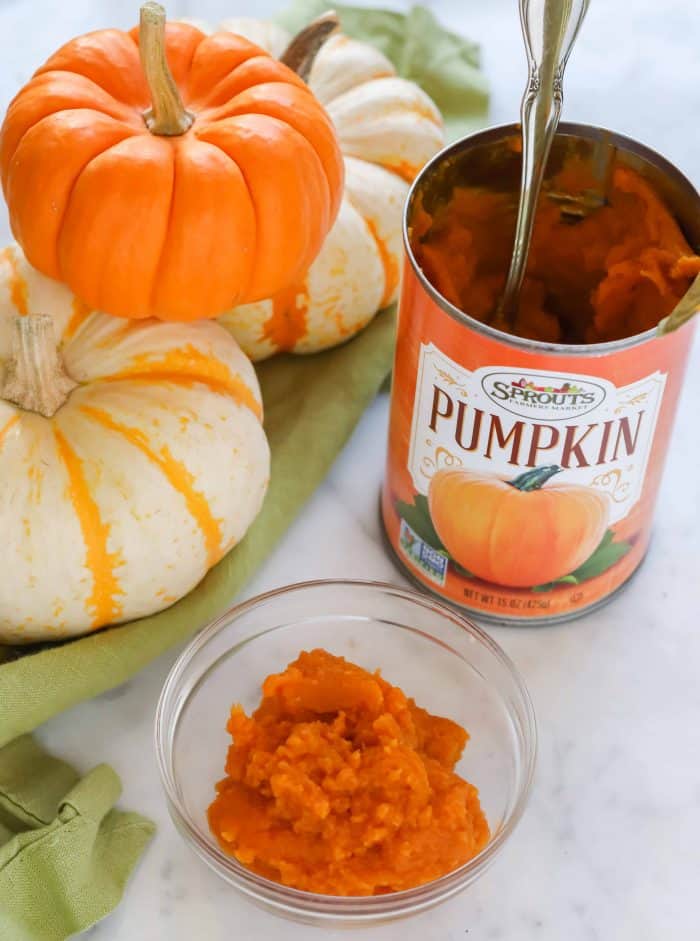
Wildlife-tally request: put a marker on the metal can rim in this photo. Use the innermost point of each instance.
(497, 132)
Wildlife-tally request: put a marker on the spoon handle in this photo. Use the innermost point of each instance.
(550, 28)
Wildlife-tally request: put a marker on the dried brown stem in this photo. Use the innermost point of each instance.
(301, 52)
(167, 116)
(35, 378)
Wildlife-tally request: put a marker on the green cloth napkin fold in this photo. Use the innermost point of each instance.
(65, 853)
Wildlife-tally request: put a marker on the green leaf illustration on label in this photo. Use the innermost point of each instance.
(417, 515)
(604, 557)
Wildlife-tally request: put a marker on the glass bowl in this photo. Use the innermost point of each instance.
(446, 663)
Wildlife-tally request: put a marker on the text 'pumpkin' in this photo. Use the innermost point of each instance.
(174, 189)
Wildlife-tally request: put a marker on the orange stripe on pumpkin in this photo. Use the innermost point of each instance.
(186, 366)
(287, 323)
(100, 562)
(407, 171)
(389, 264)
(7, 426)
(16, 284)
(177, 475)
(79, 314)
(120, 332)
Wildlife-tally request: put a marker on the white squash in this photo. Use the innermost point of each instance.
(388, 128)
(132, 457)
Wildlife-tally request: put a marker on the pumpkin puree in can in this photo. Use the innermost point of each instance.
(523, 464)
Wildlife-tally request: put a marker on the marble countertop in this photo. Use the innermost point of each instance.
(608, 848)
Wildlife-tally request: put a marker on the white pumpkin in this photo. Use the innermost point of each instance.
(388, 128)
(132, 457)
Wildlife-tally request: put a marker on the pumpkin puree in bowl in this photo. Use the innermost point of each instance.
(340, 784)
(614, 274)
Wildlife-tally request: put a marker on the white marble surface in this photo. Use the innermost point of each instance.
(608, 850)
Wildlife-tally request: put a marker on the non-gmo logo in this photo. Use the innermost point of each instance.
(549, 398)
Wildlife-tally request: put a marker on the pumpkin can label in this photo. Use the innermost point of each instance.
(497, 421)
(521, 483)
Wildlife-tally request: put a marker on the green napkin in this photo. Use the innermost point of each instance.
(65, 854)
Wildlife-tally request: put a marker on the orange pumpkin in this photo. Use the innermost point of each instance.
(517, 533)
(166, 173)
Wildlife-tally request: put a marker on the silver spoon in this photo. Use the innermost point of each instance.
(550, 28)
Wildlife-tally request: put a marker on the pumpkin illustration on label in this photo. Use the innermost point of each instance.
(519, 533)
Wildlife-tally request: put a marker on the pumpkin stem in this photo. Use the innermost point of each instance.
(533, 479)
(167, 115)
(35, 378)
(301, 52)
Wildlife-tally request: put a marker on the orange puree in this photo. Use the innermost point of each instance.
(340, 784)
(616, 273)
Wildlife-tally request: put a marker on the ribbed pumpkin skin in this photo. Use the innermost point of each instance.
(152, 469)
(511, 537)
(179, 228)
(388, 128)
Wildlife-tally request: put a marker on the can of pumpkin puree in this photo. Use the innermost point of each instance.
(522, 474)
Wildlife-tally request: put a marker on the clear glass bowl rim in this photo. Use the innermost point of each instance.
(332, 908)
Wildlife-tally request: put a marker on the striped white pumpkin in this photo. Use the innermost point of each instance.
(388, 128)
(152, 468)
